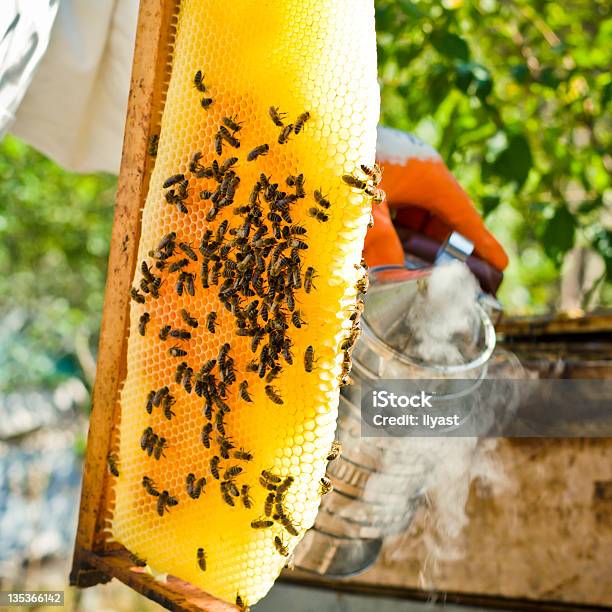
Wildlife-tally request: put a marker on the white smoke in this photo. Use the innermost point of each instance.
(444, 317)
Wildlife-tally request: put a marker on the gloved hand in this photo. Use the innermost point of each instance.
(426, 198)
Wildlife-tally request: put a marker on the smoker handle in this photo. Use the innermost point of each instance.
(427, 249)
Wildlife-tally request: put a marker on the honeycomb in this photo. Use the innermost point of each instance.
(253, 263)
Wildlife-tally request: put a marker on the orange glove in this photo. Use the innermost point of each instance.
(426, 198)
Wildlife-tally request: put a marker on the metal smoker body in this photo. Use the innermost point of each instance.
(379, 482)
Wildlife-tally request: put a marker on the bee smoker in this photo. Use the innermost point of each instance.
(380, 482)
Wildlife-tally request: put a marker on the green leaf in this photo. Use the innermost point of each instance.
(489, 204)
(603, 245)
(559, 233)
(411, 9)
(463, 77)
(514, 162)
(520, 73)
(450, 45)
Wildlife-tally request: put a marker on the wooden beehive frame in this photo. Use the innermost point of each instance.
(95, 560)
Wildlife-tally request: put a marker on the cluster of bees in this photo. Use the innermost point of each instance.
(256, 269)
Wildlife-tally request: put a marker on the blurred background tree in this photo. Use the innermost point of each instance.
(514, 95)
(54, 239)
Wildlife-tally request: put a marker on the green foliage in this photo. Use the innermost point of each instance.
(54, 239)
(515, 95)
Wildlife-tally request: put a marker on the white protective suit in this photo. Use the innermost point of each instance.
(64, 77)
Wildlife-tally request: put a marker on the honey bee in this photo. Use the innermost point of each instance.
(153, 144)
(247, 500)
(112, 462)
(232, 472)
(187, 384)
(142, 323)
(194, 487)
(214, 467)
(180, 334)
(280, 546)
(280, 490)
(309, 277)
(144, 439)
(149, 486)
(164, 332)
(198, 81)
(363, 284)
(211, 322)
(261, 524)
(227, 164)
(150, 398)
(273, 394)
(205, 435)
(321, 199)
(220, 426)
(270, 486)
(136, 296)
(243, 455)
(176, 351)
(285, 521)
(201, 555)
(159, 395)
(276, 116)
(348, 343)
(232, 123)
(296, 319)
(273, 373)
(191, 321)
(283, 137)
(173, 180)
(317, 214)
(334, 451)
(241, 604)
(182, 208)
(378, 197)
(186, 248)
(270, 477)
(325, 485)
(301, 120)
(296, 243)
(244, 391)
(269, 504)
(309, 358)
(299, 186)
(187, 278)
(224, 350)
(194, 164)
(166, 243)
(175, 266)
(353, 181)
(226, 494)
(225, 446)
(160, 446)
(167, 407)
(374, 173)
(224, 134)
(165, 502)
(208, 366)
(206, 102)
(258, 151)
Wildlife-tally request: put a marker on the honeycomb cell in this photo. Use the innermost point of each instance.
(259, 263)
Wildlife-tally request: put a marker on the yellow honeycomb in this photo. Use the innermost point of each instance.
(299, 56)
